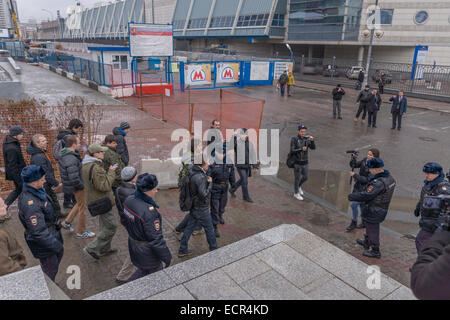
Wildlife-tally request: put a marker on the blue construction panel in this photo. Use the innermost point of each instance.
(201, 9)
(247, 74)
(250, 7)
(225, 8)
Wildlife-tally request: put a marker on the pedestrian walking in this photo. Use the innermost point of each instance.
(74, 128)
(200, 186)
(376, 198)
(399, 106)
(300, 146)
(245, 162)
(382, 82)
(70, 165)
(373, 106)
(141, 218)
(14, 163)
(361, 181)
(337, 93)
(213, 134)
(290, 84)
(430, 218)
(360, 80)
(37, 149)
(362, 100)
(112, 157)
(122, 148)
(283, 80)
(42, 232)
(99, 195)
(126, 189)
(12, 258)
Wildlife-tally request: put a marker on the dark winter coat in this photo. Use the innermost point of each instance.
(377, 197)
(297, 144)
(13, 157)
(200, 189)
(70, 171)
(245, 160)
(62, 135)
(222, 173)
(363, 178)
(363, 96)
(430, 275)
(39, 158)
(374, 102)
(361, 77)
(38, 219)
(144, 225)
(402, 106)
(283, 79)
(124, 191)
(122, 147)
(337, 95)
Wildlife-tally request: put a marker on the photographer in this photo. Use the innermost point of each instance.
(361, 181)
(435, 185)
(430, 275)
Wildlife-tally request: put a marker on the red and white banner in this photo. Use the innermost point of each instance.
(151, 40)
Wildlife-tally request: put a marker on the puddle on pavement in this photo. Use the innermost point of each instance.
(334, 188)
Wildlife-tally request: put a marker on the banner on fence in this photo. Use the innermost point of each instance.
(151, 40)
(4, 33)
(259, 71)
(281, 66)
(227, 72)
(197, 74)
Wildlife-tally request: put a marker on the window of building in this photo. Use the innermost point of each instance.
(222, 22)
(386, 16)
(421, 17)
(120, 62)
(197, 23)
(179, 24)
(253, 20)
(278, 20)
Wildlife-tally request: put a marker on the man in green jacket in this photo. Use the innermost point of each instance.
(98, 185)
(111, 158)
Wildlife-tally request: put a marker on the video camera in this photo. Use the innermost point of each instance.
(442, 203)
(354, 155)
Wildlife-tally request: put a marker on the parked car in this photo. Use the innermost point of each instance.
(311, 69)
(330, 70)
(353, 72)
(376, 76)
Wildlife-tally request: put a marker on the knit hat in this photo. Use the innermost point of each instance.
(375, 163)
(146, 182)
(124, 125)
(15, 131)
(128, 174)
(300, 127)
(432, 167)
(32, 173)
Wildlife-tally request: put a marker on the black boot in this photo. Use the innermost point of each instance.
(221, 221)
(362, 225)
(216, 232)
(364, 243)
(373, 253)
(351, 226)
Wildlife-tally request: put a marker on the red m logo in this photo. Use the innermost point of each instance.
(198, 75)
(228, 74)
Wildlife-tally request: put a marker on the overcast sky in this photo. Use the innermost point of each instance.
(29, 9)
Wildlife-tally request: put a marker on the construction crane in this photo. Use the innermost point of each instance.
(13, 13)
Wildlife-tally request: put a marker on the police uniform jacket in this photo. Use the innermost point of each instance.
(221, 173)
(144, 225)
(361, 179)
(377, 197)
(430, 218)
(36, 214)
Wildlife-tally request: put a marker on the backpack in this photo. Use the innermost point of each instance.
(186, 200)
(57, 147)
(184, 169)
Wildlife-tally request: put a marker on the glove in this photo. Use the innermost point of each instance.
(417, 211)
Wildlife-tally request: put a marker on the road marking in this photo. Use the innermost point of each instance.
(445, 128)
(416, 114)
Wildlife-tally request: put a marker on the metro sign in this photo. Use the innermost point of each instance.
(227, 73)
(198, 75)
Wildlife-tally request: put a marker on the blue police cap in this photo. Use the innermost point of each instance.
(432, 167)
(32, 173)
(375, 163)
(146, 182)
(300, 127)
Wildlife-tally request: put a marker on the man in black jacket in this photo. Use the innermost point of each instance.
(376, 197)
(299, 148)
(245, 161)
(14, 162)
(37, 149)
(337, 93)
(363, 99)
(373, 107)
(122, 148)
(430, 275)
(148, 249)
(361, 181)
(42, 233)
(430, 219)
(200, 187)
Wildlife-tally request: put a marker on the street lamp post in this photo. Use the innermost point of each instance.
(369, 52)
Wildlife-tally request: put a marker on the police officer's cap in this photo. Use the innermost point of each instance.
(146, 182)
(32, 173)
(375, 163)
(300, 127)
(432, 167)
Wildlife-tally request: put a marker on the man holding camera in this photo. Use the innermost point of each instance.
(435, 185)
(361, 181)
(299, 148)
(376, 197)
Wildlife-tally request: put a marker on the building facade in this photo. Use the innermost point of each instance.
(6, 20)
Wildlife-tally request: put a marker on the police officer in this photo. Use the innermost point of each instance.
(221, 172)
(376, 197)
(435, 185)
(42, 234)
(148, 249)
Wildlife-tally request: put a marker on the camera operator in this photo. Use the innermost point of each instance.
(430, 275)
(361, 181)
(435, 185)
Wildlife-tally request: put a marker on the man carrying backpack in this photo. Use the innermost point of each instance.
(122, 149)
(195, 197)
